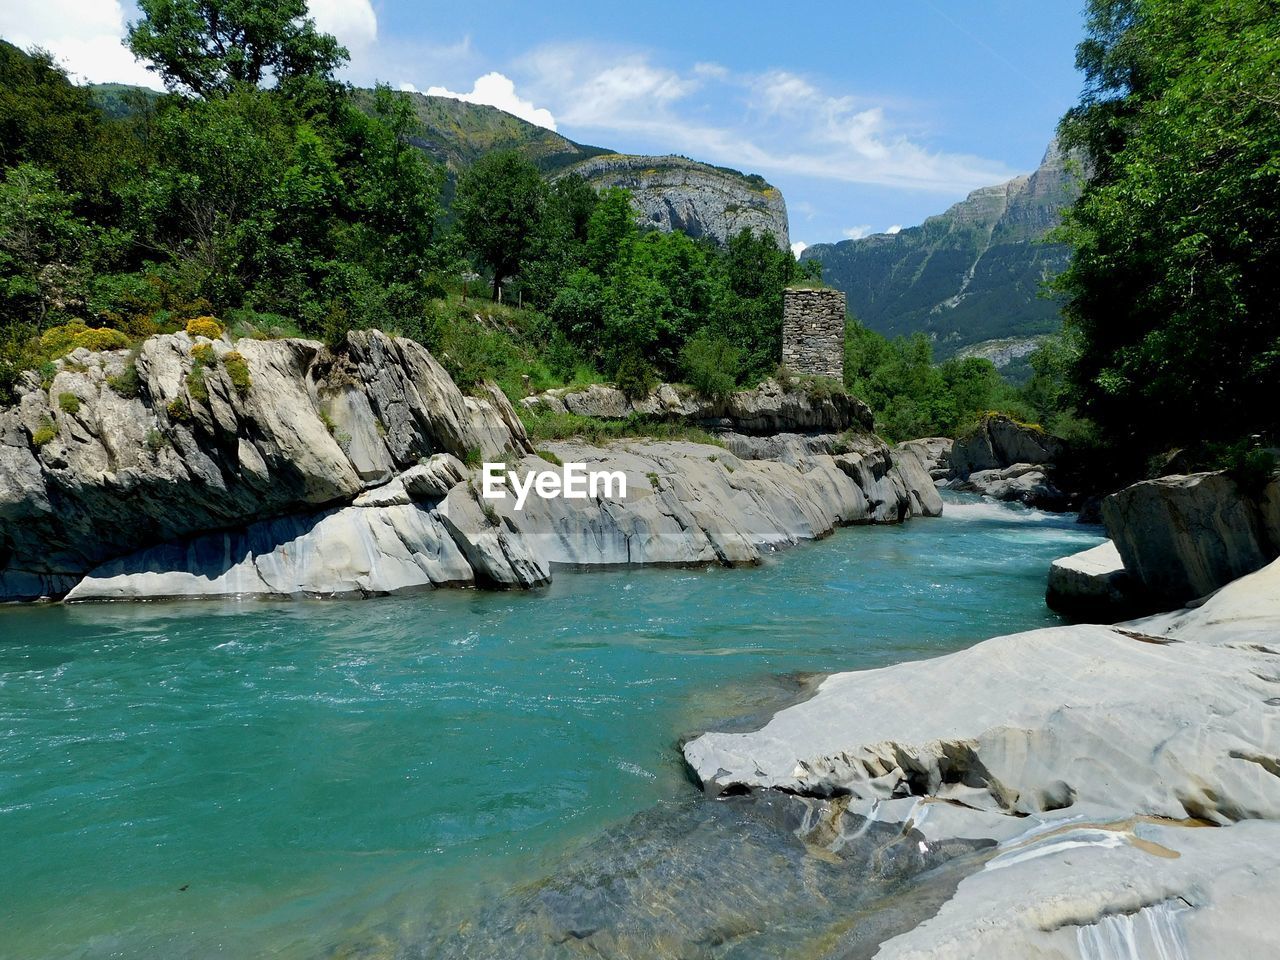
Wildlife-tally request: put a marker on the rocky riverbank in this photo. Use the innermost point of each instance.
(198, 467)
(1092, 756)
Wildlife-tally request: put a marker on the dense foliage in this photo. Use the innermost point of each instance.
(263, 198)
(911, 396)
(1175, 275)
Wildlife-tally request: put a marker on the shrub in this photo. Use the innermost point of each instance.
(238, 371)
(156, 441)
(821, 388)
(204, 327)
(178, 410)
(635, 377)
(127, 383)
(197, 388)
(44, 433)
(202, 355)
(69, 403)
(712, 365)
(60, 340)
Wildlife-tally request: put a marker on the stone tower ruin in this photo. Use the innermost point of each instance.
(813, 332)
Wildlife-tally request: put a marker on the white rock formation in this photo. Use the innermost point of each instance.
(1090, 753)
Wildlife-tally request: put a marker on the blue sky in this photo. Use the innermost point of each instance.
(866, 115)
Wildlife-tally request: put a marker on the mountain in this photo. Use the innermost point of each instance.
(676, 193)
(967, 276)
(670, 193)
(457, 134)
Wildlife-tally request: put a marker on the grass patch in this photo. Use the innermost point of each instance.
(69, 403)
(44, 433)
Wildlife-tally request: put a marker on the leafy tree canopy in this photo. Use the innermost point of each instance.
(210, 46)
(1175, 272)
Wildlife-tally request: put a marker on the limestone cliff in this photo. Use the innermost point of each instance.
(675, 193)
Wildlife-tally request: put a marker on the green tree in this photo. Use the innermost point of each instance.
(211, 46)
(43, 247)
(49, 121)
(497, 206)
(1175, 270)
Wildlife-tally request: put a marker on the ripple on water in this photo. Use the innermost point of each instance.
(192, 779)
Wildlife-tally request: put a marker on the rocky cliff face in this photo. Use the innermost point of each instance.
(340, 473)
(970, 275)
(674, 193)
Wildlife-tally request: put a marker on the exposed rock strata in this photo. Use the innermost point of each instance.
(686, 503)
(1062, 744)
(674, 193)
(764, 410)
(339, 473)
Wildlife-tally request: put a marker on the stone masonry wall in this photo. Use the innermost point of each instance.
(813, 332)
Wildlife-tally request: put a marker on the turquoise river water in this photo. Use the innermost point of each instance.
(249, 778)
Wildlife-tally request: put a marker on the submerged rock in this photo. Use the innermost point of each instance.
(750, 877)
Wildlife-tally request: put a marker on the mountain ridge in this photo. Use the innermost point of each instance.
(969, 275)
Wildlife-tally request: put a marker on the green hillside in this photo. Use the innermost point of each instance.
(972, 274)
(456, 134)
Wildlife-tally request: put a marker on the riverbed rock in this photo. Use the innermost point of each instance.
(933, 453)
(685, 503)
(1025, 483)
(183, 450)
(1091, 585)
(1089, 752)
(1184, 536)
(766, 409)
(998, 442)
(1007, 460)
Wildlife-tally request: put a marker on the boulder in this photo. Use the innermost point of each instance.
(999, 442)
(1091, 585)
(1183, 536)
(1025, 483)
(190, 451)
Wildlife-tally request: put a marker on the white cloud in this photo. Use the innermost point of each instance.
(789, 125)
(797, 248)
(858, 232)
(896, 228)
(353, 22)
(499, 91)
(408, 88)
(85, 36)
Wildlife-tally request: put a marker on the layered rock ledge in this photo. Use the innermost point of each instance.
(341, 473)
(1089, 753)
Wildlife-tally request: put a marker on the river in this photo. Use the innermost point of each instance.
(235, 779)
